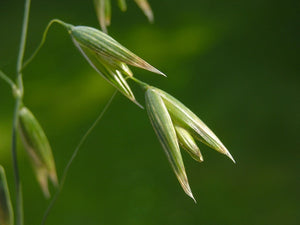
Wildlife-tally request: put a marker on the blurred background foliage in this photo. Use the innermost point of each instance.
(234, 63)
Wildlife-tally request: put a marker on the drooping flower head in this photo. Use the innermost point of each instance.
(176, 125)
(108, 57)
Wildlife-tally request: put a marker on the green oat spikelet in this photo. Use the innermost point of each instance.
(175, 124)
(107, 12)
(103, 10)
(188, 143)
(112, 74)
(145, 7)
(108, 57)
(6, 210)
(184, 117)
(38, 149)
(106, 47)
(122, 5)
(163, 126)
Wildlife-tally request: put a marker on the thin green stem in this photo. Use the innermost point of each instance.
(141, 83)
(43, 40)
(7, 80)
(73, 156)
(23, 45)
(18, 187)
(19, 195)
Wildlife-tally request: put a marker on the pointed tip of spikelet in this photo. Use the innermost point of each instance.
(154, 70)
(144, 65)
(42, 178)
(225, 151)
(53, 178)
(189, 192)
(230, 156)
(201, 159)
(137, 103)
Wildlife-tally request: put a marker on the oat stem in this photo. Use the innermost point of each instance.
(7, 80)
(141, 83)
(73, 156)
(19, 196)
(42, 41)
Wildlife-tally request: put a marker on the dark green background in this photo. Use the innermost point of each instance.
(234, 63)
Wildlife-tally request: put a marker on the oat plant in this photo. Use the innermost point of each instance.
(176, 125)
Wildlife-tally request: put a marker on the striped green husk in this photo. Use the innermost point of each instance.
(38, 149)
(112, 74)
(163, 126)
(188, 143)
(106, 46)
(184, 117)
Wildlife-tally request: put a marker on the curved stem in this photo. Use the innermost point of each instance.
(43, 40)
(19, 195)
(73, 156)
(7, 80)
(141, 83)
(23, 45)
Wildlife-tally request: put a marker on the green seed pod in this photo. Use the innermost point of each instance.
(122, 84)
(145, 7)
(106, 47)
(38, 149)
(126, 69)
(107, 12)
(188, 143)
(122, 5)
(111, 74)
(6, 210)
(110, 63)
(163, 126)
(189, 121)
(103, 10)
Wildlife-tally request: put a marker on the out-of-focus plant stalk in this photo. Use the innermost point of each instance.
(73, 156)
(19, 197)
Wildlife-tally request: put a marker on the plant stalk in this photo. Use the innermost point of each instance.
(43, 41)
(7, 79)
(19, 82)
(141, 83)
(73, 156)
